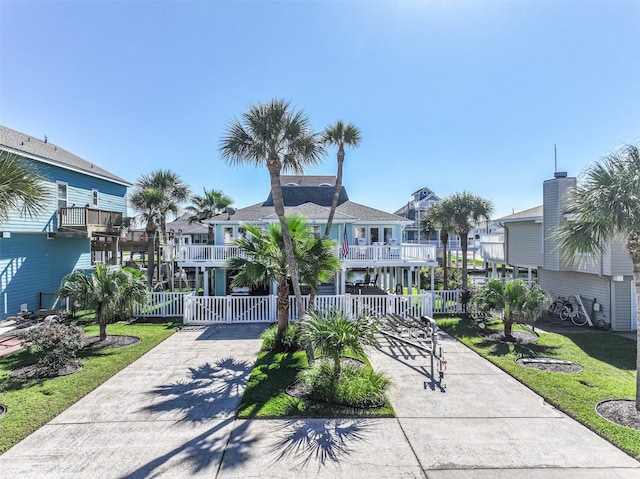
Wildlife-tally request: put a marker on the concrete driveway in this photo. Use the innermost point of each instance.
(171, 414)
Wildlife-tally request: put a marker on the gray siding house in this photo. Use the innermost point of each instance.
(529, 244)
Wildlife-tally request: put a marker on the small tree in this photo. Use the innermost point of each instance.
(515, 299)
(333, 333)
(107, 292)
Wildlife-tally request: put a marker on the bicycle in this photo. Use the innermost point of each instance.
(556, 307)
(572, 310)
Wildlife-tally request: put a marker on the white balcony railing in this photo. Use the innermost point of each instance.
(218, 254)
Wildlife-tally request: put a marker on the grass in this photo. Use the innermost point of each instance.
(31, 403)
(609, 363)
(266, 396)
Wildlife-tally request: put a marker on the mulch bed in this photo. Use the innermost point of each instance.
(38, 371)
(620, 411)
(516, 336)
(553, 365)
(94, 342)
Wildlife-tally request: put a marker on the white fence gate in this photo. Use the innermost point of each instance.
(241, 309)
(247, 309)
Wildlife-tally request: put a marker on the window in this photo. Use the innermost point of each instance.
(62, 195)
(228, 235)
(94, 198)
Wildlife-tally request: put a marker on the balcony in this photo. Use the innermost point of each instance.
(76, 221)
(354, 256)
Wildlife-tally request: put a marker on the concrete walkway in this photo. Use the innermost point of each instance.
(171, 414)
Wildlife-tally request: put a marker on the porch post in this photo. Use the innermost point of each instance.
(410, 280)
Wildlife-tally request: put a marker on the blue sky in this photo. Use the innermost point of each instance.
(454, 96)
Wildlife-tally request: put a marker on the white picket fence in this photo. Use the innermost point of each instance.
(249, 309)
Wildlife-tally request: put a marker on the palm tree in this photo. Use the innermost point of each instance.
(108, 292)
(147, 202)
(174, 193)
(20, 187)
(262, 260)
(438, 216)
(155, 195)
(606, 206)
(213, 202)
(319, 264)
(340, 135)
(272, 135)
(467, 210)
(515, 299)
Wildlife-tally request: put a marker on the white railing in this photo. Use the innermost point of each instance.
(218, 254)
(400, 252)
(162, 304)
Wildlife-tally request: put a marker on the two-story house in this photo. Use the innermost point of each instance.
(368, 239)
(527, 243)
(79, 224)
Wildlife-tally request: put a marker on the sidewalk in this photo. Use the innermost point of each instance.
(171, 414)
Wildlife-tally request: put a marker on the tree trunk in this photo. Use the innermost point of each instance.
(464, 246)
(508, 324)
(336, 193)
(633, 243)
(103, 330)
(444, 237)
(283, 307)
(151, 251)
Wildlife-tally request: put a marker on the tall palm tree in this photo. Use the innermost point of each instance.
(174, 193)
(109, 292)
(340, 135)
(147, 202)
(606, 206)
(438, 216)
(467, 210)
(20, 187)
(262, 260)
(213, 202)
(155, 195)
(272, 135)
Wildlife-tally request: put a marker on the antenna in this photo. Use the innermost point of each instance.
(555, 158)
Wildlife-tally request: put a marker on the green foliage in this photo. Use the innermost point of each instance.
(21, 187)
(354, 386)
(287, 342)
(111, 293)
(54, 345)
(515, 299)
(454, 278)
(333, 333)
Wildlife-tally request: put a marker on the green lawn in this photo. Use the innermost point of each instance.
(32, 403)
(266, 396)
(609, 363)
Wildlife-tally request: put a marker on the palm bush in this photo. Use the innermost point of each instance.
(287, 342)
(356, 386)
(334, 333)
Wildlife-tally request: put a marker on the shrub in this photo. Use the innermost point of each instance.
(54, 345)
(355, 386)
(290, 341)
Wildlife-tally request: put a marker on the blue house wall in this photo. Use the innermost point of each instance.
(31, 264)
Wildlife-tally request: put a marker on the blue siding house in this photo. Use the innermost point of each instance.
(79, 225)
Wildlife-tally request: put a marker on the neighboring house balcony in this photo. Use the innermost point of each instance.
(85, 222)
(352, 256)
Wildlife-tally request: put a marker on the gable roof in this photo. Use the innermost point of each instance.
(529, 214)
(43, 151)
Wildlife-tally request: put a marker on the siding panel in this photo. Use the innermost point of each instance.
(524, 244)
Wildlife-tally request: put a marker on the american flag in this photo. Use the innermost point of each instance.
(345, 244)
